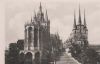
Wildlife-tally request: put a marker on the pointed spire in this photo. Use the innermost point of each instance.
(84, 19)
(40, 14)
(46, 15)
(79, 16)
(74, 20)
(40, 7)
(34, 15)
(25, 24)
(31, 19)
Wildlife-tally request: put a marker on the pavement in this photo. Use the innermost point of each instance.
(66, 58)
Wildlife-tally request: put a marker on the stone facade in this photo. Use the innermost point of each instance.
(37, 36)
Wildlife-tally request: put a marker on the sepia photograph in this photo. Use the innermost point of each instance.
(52, 32)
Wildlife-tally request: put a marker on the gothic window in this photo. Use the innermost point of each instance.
(29, 37)
(35, 37)
(37, 58)
(30, 34)
(28, 58)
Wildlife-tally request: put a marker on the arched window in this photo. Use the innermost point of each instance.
(29, 37)
(37, 55)
(35, 37)
(28, 58)
(21, 58)
(29, 33)
(37, 58)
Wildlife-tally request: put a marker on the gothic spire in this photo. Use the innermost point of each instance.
(80, 22)
(40, 14)
(84, 19)
(34, 15)
(31, 19)
(74, 21)
(46, 15)
(40, 8)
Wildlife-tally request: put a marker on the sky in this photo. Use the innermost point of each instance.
(60, 13)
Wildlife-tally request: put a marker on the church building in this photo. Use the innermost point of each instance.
(79, 33)
(37, 37)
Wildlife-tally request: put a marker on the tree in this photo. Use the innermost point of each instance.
(13, 54)
(20, 44)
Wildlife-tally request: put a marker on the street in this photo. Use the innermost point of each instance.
(65, 58)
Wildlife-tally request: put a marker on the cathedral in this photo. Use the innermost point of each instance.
(37, 30)
(79, 33)
(37, 37)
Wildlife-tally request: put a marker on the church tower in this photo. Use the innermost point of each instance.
(85, 26)
(84, 20)
(79, 20)
(37, 33)
(79, 33)
(74, 25)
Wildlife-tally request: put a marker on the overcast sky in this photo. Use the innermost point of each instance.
(60, 13)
